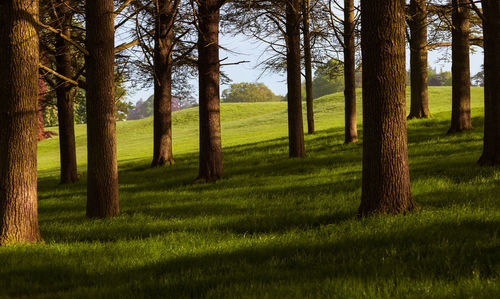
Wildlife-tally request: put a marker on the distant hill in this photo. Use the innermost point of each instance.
(145, 109)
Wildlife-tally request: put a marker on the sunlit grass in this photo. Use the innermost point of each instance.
(274, 227)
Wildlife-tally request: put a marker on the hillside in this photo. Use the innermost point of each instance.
(274, 227)
(242, 123)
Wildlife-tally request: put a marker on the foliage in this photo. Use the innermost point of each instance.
(328, 78)
(439, 79)
(144, 109)
(478, 79)
(248, 92)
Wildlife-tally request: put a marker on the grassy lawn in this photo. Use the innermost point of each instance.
(274, 227)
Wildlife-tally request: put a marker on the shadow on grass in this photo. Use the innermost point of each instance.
(441, 253)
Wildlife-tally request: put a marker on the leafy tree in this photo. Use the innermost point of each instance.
(249, 92)
(328, 79)
(478, 79)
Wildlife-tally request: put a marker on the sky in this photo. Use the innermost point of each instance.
(243, 49)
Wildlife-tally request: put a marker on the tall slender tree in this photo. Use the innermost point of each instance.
(491, 29)
(208, 15)
(460, 68)
(306, 17)
(65, 93)
(295, 125)
(351, 130)
(417, 23)
(386, 178)
(163, 62)
(18, 121)
(102, 181)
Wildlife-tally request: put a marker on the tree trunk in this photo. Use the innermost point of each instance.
(18, 122)
(65, 97)
(460, 68)
(208, 66)
(164, 38)
(386, 178)
(417, 22)
(102, 181)
(491, 29)
(351, 130)
(295, 125)
(308, 65)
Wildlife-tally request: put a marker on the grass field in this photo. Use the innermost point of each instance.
(274, 227)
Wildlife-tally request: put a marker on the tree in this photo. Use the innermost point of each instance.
(65, 92)
(460, 68)
(163, 63)
(102, 180)
(295, 125)
(386, 178)
(328, 78)
(248, 92)
(417, 23)
(351, 130)
(491, 27)
(207, 17)
(277, 24)
(18, 121)
(306, 16)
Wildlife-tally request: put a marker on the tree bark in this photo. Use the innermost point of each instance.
(491, 29)
(164, 38)
(208, 66)
(295, 125)
(102, 181)
(65, 96)
(351, 130)
(460, 68)
(308, 65)
(18, 122)
(417, 21)
(386, 178)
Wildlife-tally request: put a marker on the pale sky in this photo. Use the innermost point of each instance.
(243, 49)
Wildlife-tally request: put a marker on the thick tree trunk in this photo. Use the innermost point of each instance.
(308, 65)
(164, 36)
(417, 22)
(295, 125)
(491, 29)
(102, 181)
(18, 122)
(386, 178)
(460, 68)
(65, 97)
(208, 66)
(351, 130)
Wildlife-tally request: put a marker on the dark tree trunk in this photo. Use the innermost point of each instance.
(18, 122)
(491, 29)
(65, 97)
(386, 178)
(164, 36)
(308, 65)
(208, 66)
(102, 181)
(417, 21)
(351, 131)
(460, 68)
(295, 125)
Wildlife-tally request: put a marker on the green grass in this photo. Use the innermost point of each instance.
(274, 227)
